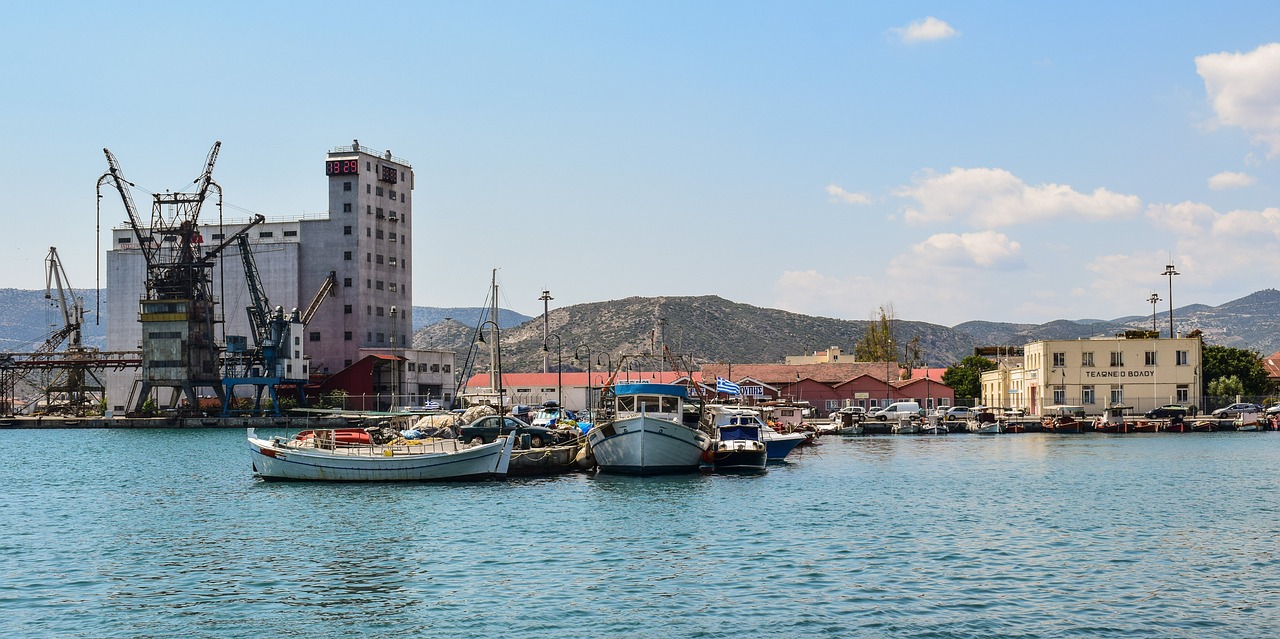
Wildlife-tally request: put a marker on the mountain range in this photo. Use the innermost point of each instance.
(711, 328)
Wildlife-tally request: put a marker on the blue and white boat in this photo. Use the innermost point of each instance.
(739, 448)
(646, 430)
(778, 445)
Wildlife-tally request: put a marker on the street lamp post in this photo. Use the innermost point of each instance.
(577, 356)
(495, 364)
(559, 368)
(1154, 299)
(546, 327)
(1169, 270)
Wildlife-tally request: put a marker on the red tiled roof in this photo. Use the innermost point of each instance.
(1272, 364)
(598, 378)
(825, 373)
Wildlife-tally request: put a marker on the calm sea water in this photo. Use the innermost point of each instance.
(167, 534)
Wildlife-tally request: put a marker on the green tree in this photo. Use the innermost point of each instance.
(1246, 365)
(965, 378)
(877, 343)
(1228, 386)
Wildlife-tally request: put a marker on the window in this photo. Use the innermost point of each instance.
(1086, 395)
(378, 214)
(1183, 393)
(1059, 361)
(379, 192)
(413, 367)
(346, 186)
(368, 232)
(435, 368)
(393, 237)
(524, 390)
(1117, 358)
(346, 255)
(379, 260)
(266, 234)
(366, 189)
(290, 234)
(368, 209)
(346, 363)
(391, 286)
(379, 233)
(1181, 358)
(402, 179)
(444, 367)
(402, 238)
(368, 283)
(346, 207)
(346, 230)
(1086, 360)
(402, 197)
(391, 193)
(1117, 394)
(1150, 358)
(125, 240)
(368, 257)
(368, 310)
(346, 282)
(314, 336)
(381, 337)
(1059, 394)
(346, 309)
(379, 285)
(392, 261)
(368, 337)
(380, 313)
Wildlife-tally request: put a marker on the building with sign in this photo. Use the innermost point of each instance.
(1136, 371)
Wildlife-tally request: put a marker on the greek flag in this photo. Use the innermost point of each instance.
(725, 386)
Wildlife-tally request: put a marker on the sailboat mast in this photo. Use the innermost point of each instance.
(495, 348)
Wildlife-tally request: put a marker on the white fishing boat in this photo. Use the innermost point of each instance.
(323, 457)
(646, 430)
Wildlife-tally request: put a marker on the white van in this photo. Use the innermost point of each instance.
(896, 411)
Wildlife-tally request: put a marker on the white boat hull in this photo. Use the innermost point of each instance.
(643, 445)
(441, 460)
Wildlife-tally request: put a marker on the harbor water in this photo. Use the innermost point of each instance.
(165, 533)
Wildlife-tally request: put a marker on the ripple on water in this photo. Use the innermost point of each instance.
(165, 533)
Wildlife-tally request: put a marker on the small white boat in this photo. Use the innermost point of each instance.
(645, 433)
(778, 445)
(739, 447)
(324, 458)
(984, 422)
(906, 426)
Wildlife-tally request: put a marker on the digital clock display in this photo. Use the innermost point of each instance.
(341, 167)
(389, 174)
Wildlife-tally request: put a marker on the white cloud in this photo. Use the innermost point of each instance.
(839, 195)
(1245, 91)
(926, 30)
(984, 250)
(1229, 180)
(989, 198)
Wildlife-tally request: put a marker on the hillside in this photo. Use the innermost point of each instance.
(710, 328)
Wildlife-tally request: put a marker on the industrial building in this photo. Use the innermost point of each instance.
(359, 337)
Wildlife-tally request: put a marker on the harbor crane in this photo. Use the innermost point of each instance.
(177, 312)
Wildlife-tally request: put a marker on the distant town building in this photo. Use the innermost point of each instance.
(831, 386)
(830, 356)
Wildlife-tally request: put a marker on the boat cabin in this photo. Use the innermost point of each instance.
(661, 401)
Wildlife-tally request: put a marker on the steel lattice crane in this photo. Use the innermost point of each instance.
(178, 311)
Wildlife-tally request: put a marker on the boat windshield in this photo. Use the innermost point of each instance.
(650, 404)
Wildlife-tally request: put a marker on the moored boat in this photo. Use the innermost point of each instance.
(1063, 419)
(322, 458)
(777, 445)
(644, 431)
(739, 447)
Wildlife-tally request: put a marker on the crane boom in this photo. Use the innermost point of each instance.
(72, 313)
(116, 177)
(260, 311)
(330, 288)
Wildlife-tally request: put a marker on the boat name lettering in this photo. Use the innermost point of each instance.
(1119, 373)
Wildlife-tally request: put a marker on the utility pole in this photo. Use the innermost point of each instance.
(1169, 270)
(546, 331)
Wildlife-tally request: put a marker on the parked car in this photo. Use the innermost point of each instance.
(898, 410)
(858, 412)
(1236, 409)
(959, 413)
(486, 430)
(1169, 410)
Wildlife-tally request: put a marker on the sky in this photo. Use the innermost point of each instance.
(1001, 161)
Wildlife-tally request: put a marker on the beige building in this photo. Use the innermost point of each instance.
(830, 356)
(1140, 372)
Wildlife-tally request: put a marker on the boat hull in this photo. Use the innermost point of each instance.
(643, 445)
(779, 445)
(739, 456)
(444, 460)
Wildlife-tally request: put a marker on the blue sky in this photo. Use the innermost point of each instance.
(1016, 161)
